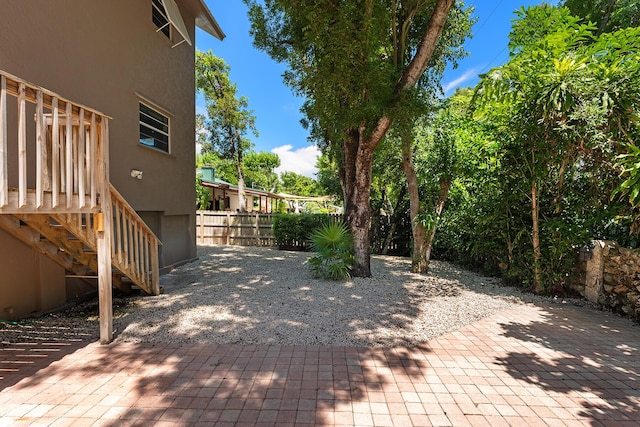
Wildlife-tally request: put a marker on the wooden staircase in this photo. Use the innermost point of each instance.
(55, 194)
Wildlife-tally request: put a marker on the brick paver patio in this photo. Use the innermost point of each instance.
(538, 365)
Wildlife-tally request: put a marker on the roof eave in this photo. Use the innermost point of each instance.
(206, 22)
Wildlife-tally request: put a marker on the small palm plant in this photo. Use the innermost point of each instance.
(333, 245)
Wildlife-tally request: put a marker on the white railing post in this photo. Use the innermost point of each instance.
(155, 266)
(91, 161)
(55, 152)
(104, 239)
(40, 150)
(80, 161)
(22, 146)
(4, 180)
(69, 155)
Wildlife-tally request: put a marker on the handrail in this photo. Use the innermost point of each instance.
(66, 160)
(135, 247)
(116, 197)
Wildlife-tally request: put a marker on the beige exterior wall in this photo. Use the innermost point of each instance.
(29, 282)
(107, 55)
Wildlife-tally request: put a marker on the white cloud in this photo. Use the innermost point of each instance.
(301, 161)
(468, 75)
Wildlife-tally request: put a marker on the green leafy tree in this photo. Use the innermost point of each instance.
(356, 64)
(419, 109)
(201, 133)
(555, 98)
(328, 175)
(630, 187)
(472, 228)
(259, 170)
(202, 194)
(224, 168)
(432, 159)
(623, 74)
(608, 15)
(229, 119)
(299, 185)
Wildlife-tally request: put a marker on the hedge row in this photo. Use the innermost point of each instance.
(292, 231)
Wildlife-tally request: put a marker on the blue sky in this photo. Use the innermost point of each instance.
(276, 109)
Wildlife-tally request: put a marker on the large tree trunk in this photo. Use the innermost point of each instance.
(419, 261)
(358, 148)
(355, 177)
(236, 154)
(445, 186)
(242, 201)
(422, 236)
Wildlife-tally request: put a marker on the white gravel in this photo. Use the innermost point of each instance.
(248, 295)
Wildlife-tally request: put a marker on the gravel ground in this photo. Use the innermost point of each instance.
(248, 295)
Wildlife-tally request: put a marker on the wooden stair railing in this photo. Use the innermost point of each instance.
(135, 246)
(57, 169)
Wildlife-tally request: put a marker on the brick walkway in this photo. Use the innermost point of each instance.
(554, 365)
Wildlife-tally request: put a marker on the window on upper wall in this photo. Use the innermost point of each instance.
(154, 128)
(160, 18)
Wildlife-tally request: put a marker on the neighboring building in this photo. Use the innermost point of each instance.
(133, 61)
(224, 195)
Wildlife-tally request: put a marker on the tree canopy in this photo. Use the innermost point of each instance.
(299, 185)
(538, 159)
(229, 119)
(561, 110)
(608, 15)
(356, 64)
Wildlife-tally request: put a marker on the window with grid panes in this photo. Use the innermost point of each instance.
(154, 128)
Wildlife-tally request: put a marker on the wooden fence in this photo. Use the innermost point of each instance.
(233, 228)
(255, 229)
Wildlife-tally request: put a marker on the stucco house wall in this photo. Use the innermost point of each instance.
(29, 282)
(108, 56)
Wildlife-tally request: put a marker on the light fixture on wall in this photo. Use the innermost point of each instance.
(136, 174)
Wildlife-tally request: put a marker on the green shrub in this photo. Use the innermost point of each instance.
(333, 245)
(309, 223)
(287, 230)
(293, 231)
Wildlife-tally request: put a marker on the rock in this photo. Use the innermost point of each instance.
(620, 289)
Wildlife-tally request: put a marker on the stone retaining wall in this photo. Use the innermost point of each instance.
(612, 277)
